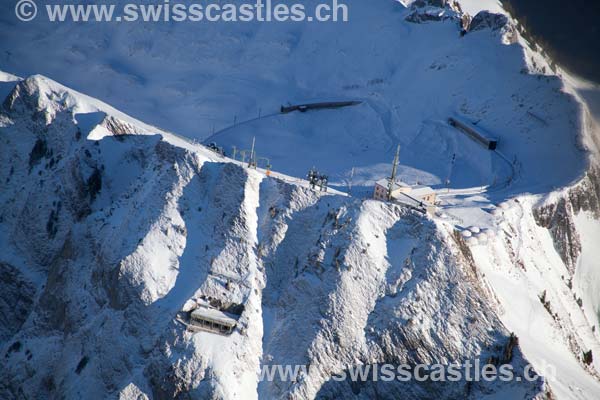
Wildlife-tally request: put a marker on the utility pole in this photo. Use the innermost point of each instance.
(268, 165)
(251, 161)
(350, 183)
(394, 171)
(450, 172)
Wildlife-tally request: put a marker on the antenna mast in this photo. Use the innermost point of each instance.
(350, 183)
(394, 171)
(251, 162)
(450, 171)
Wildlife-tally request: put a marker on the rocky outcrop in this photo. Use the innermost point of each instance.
(429, 11)
(585, 196)
(487, 20)
(558, 219)
(433, 3)
(118, 127)
(422, 16)
(558, 216)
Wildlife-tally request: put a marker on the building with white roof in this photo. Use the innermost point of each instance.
(418, 196)
(213, 320)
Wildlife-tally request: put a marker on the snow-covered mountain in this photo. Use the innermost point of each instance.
(106, 240)
(111, 227)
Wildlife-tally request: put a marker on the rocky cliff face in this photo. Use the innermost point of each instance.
(559, 216)
(16, 302)
(107, 240)
(542, 264)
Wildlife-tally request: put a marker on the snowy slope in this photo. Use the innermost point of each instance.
(410, 76)
(522, 266)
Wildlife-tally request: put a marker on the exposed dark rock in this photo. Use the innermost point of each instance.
(39, 151)
(94, 184)
(513, 341)
(558, 217)
(81, 365)
(52, 224)
(118, 128)
(588, 358)
(16, 299)
(434, 3)
(586, 195)
(420, 16)
(487, 20)
(466, 252)
(14, 348)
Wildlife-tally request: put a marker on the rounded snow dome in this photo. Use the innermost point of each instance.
(466, 233)
(472, 241)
